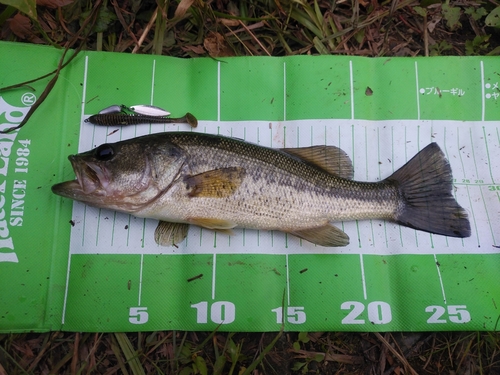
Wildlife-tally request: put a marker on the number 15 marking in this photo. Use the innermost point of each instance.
(295, 314)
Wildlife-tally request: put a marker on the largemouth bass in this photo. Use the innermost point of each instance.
(219, 183)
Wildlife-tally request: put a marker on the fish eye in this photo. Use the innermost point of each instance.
(104, 152)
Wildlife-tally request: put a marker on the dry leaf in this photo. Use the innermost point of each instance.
(21, 26)
(199, 50)
(182, 8)
(53, 3)
(228, 22)
(216, 46)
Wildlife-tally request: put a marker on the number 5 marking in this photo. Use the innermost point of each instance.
(138, 315)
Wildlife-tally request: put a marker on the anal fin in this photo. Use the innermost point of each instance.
(170, 234)
(326, 235)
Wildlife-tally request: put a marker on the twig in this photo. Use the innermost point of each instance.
(5, 354)
(63, 21)
(465, 353)
(243, 44)
(329, 357)
(368, 22)
(91, 355)
(261, 356)
(253, 26)
(254, 37)
(426, 36)
(396, 353)
(74, 360)
(131, 355)
(42, 97)
(46, 345)
(410, 351)
(25, 83)
(122, 21)
(146, 31)
(383, 358)
(60, 66)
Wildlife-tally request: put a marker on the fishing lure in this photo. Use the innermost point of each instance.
(113, 118)
(111, 109)
(139, 109)
(148, 110)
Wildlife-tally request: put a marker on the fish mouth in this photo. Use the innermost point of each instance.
(91, 180)
(93, 186)
(90, 176)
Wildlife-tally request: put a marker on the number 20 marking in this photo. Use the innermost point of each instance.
(379, 312)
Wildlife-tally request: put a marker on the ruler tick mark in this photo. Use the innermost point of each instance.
(363, 275)
(214, 260)
(140, 280)
(440, 278)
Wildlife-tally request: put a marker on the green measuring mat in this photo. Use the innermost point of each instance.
(68, 266)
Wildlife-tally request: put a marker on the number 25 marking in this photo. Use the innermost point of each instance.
(456, 314)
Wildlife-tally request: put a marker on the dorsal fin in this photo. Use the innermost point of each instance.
(329, 158)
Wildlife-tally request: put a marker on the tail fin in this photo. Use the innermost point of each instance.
(425, 185)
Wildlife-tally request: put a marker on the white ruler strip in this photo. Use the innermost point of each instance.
(377, 148)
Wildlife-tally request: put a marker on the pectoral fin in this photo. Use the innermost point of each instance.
(169, 234)
(329, 158)
(223, 226)
(327, 235)
(217, 183)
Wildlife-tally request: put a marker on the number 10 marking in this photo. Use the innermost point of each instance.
(221, 312)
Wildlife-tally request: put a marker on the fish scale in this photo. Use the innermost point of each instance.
(280, 188)
(326, 196)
